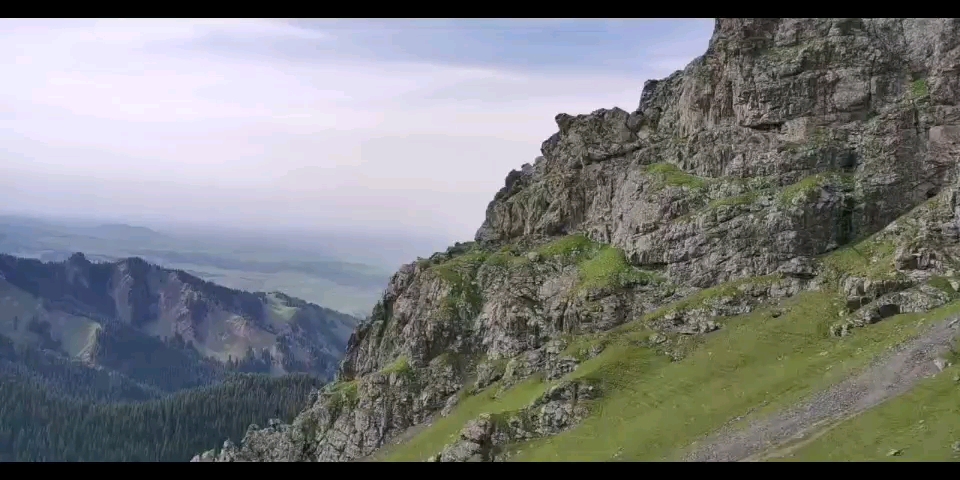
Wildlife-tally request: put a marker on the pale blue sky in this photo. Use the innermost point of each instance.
(388, 125)
(529, 46)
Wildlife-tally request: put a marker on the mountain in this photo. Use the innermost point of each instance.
(765, 250)
(295, 263)
(128, 361)
(163, 329)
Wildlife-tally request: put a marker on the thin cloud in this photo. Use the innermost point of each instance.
(405, 125)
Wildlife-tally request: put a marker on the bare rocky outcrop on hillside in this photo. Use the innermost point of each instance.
(786, 140)
(164, 327)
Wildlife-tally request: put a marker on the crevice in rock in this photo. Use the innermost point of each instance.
(888, 310)
(767, 127)
(845, 228)
(848, 161)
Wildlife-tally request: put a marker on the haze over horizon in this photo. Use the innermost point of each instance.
(304, 125)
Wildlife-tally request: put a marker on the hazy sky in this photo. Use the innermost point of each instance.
(387, 125)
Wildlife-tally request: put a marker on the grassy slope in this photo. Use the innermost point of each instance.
(922, 425)
(654, 409)
(432, 439)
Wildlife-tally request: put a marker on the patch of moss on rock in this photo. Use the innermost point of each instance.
(600, 266)
(919, 89)
(608, 268)
(506, 257)
(745, 199)
(805, 189)
(400, 366)
(732, 290)
(423, 262)
(571, 246)
(872, 258)
(669, 175)
(459, 273)
(344, 393)
(820, 138)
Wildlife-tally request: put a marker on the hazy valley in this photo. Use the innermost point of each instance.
(342, 271)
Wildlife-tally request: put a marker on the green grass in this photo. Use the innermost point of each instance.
(745, 199)
(653, 409)
(671, 175)
(464, 298)
(923, 424)
(803, 190)
(507, 256)
(600, 265)
(608, 267)
(919, 89)
(712, 207)
(453, 270)
(942, 284)
(400, 366)
(871, 258)
(706, 296)
(445, 430)
(345, 392)
(505, 260)
(569, 246)
(579, 346)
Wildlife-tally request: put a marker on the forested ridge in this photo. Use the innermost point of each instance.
(40, 423)
(49, 371)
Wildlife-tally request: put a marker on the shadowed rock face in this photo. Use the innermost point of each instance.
(140, 318)
(787, 139)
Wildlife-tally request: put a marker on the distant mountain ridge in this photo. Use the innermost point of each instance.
(301, 267)
(131, 231)
(161, 327)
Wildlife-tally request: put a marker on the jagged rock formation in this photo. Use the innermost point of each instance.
(786, 140)
(163, 327)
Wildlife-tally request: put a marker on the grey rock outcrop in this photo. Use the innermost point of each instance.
(484, 438)
(787, 139)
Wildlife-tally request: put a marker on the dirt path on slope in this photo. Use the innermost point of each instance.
(889, 376)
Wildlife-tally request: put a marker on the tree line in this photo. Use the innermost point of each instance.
(40, 422)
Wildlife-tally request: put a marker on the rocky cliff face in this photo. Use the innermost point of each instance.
(726, 189)
(178, 330)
